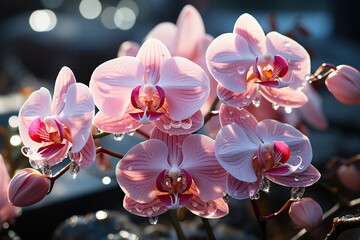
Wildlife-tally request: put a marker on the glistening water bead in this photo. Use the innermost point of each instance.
(153, 220)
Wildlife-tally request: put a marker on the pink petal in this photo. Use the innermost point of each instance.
(235, 152)
(186, 87)
(174, 145)
(296, 55)
(138, 170)
(7, 210)
(240, 190)
(112, 82)
(229, 59)
(241, 117)
(166, 33)
(128, 48)
(249, 28)
(64, 79)
(200, 162)
(284, 97)
(87, 155)
(302, 179)
(235, 99)
(150, 209)
(78, 114)
(299, 144)
(185, 126)
(190, 31)
(212, 209)
(111, 124)
(37, 105)
(153, 54)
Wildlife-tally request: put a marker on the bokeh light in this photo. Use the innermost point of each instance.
(42, 20)
(90, 9)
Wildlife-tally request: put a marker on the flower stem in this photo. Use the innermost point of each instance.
(283, 208)
(176, 224)
(262, 224)
(57, 175)
(210, 113)
(111, 153)
(208, 229)
(100, 135)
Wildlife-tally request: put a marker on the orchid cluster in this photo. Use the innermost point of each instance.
(222, 117)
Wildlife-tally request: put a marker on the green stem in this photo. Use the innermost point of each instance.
(208, 229)
(176, 224)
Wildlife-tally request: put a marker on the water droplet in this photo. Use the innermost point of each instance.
(153, 220)
(288, 109)
(118, 136)
(186, 123)
(130, 168)
(253, 192)
(155, 208)
(129, 125)
(175, 124)
(298, 66)
(46, 170)
(149, 211)
(226, 199)
(241, 70)
(167, 126)
(74, 169)
(211, 207)
(194, 204)
(319, 76)
(301, 167)
(308, 78)
(296, 178)
(34, 163)
(139, 207)
(131, 133)
(25, 150)
(248, 96)
(265, 185)
(297, 192)
(256, 102)
(275, 106)
(235, 95)
(287, 44)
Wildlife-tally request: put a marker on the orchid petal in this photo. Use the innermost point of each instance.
(296, 55)
(150, 209)
(299, 144)
(38, 104)
(110, 124)
(186, 126)
(174, 145)
(138, 170)
(235, 152)
(78, 114)
(112, 82)
(87, 155)
(249, 28)
(241, 117)
(186, 86)
(52, 154)
(302, 179)
(284, 97)
(212, 209)
(229, 59)
(64, 79)
(153, 54)
(235, 99)
(239, 189)
(190, 31)
(166, 33)
(200, 162)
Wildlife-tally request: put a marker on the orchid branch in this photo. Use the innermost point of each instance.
(107, 151)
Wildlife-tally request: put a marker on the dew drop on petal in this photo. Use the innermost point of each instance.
(194, 204)
(308, 78)
(139, 207)
(297, 192)
(46, 170)
(186, 123)
(275, 106)
(265, 185)
(241, 70)
(34, 164)
(211, 207)
(286, 44)
(253, 192)
(74, 169)
(226, 199)
(153, 220)
(256, 102)
(176, 124)
(301, 167)
(155, 208)
(118, 136)
(167, 126)
(149, 211)
(131, 133)
(25, 150)
(288, 109)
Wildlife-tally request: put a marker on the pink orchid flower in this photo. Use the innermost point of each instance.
(151, 87)
(254, 152)
(344, 84)
(168, 172)
(52, 127)
(8, 212)
(249, 64)
(187, 38)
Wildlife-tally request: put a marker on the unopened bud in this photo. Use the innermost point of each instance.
(306, 213)
(28, 187)
(349, 176)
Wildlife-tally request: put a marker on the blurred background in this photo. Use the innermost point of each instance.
(38, 37)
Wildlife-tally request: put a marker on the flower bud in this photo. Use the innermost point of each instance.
(306, 213)
(28, 187)
(344, 84)
(349, 176)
